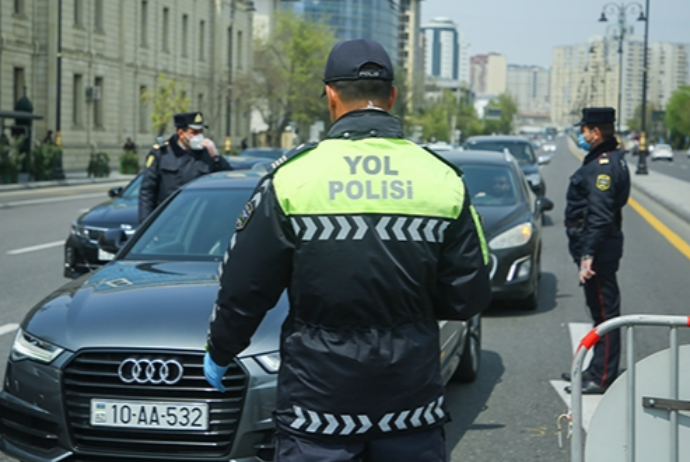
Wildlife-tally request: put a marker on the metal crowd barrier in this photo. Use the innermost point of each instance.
(670, 403)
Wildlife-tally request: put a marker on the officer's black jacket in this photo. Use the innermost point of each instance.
(360, 346)
(168, 168)
(597, 192)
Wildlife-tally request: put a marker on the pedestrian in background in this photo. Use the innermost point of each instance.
(183, 157)
(597, 192)
(360, 346)
(129, 145)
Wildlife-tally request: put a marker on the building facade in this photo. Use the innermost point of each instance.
(488, 74)
(668, 70)
(442, 50)
(411, 51)
(530, 87)
(86, 65)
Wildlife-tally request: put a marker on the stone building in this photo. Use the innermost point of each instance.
(86, 63)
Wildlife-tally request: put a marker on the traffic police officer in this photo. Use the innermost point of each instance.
(182, 158)
(375, 239)
(597, 192)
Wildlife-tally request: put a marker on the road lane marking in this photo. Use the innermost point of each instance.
(34, 248)
(7, 328)
(675, 240)
(49, 200)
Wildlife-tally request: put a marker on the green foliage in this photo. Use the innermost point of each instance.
(452, 111)
(44, 160)
(168, 99)
(129, 162)
(635, 124)
(99, 166)
(508, 108)
(285, 82)
(677, 117)
(11, 160)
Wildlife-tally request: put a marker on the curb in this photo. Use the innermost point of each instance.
(67, 182)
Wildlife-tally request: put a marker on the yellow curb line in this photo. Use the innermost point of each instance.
(675, 240)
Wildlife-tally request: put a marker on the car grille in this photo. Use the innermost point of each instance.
(94, 374)
(94, 233)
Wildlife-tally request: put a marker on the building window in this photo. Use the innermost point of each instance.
(19, 84)
(97, 96)
(185, 35)
(228, 114)
(144, 26)
(79, 13)
(166, 30)
(98, 15)
(239, 50)
(200, 102)
(143, 110)
(77, 100)
(19, 7)
(202, 35)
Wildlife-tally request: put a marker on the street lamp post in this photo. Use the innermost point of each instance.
(642, 155)
(622, 9)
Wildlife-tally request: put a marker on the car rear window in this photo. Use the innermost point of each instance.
(521, 150)
(196, 225)
(490, 184)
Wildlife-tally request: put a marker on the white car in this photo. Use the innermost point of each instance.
(662, 152)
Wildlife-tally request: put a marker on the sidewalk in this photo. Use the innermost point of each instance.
(72, 177)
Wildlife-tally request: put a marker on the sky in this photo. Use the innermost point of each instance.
(525, 31)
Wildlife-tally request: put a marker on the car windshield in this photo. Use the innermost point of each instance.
(490, 184)
(521, 150)
(270, 153)
(132, 189)
(196, 226)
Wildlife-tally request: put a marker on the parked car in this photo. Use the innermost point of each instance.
(121, 211)
(521, 148)
(268, 153)
(110, 366)
(662, 152)
(512, 218)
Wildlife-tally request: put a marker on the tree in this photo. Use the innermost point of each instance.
(284, 85)
(678, 115)
(441, 117)
(508, 108)
(168, 99)
(635, 123)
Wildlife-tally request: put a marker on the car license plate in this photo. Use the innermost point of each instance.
(148, 414)
(105, 256)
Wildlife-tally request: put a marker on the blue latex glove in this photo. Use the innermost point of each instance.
(214, 373)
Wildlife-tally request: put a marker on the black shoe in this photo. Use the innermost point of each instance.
(589, 387)
(566, 376)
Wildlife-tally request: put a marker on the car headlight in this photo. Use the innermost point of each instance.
(269, 361)
(533, 178)
(26, 346)
(79, 230)
(514, 237)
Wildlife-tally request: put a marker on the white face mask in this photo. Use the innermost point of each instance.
(195, 142)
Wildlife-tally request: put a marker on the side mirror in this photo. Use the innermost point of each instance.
(115, 192)
(112, 240)
(544, 204)
(543, 159)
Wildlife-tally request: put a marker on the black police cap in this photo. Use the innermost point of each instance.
(194, 120)
(597, 116)
(347, 58)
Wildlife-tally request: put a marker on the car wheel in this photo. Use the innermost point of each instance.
(468, 369)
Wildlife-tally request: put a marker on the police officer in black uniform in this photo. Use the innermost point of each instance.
(597, 192)
(375, 239)
(183, 157)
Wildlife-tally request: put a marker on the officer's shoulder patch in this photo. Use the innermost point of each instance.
(156, 146)
(150, 160)
(245, 215)
(603, 182)
(294, 152)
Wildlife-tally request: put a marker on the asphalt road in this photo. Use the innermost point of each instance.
(510, 412)
(678, 168)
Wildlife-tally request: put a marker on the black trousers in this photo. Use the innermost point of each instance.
(604, 302)
(428, 446)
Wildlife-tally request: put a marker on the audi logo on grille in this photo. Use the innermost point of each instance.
(155, 371)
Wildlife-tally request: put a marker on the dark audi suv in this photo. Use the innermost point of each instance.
(109, 368)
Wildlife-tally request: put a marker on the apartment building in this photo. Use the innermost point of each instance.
(85, 65)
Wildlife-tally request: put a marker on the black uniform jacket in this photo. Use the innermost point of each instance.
(168, 168)
(597, 192)
(360, 347)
